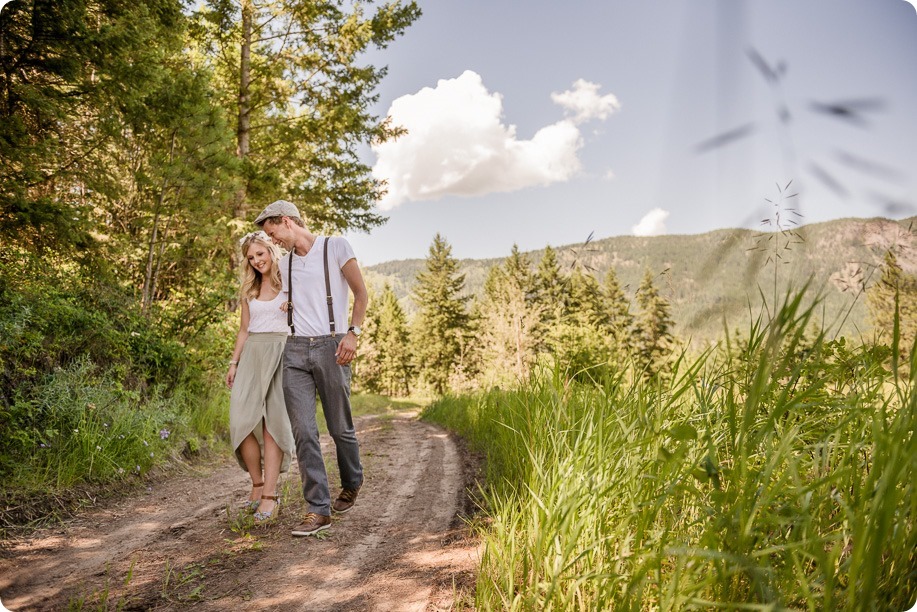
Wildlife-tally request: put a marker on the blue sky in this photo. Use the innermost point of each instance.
(536, 123)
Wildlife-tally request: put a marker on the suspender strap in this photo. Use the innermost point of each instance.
(290, 296)
(328, 288)
(327, 291)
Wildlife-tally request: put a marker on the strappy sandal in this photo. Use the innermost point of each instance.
(261, 517)
(250, 505)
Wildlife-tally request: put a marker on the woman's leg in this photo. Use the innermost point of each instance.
(251, 455)
(273, 457)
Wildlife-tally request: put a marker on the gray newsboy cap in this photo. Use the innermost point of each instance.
(280, 208)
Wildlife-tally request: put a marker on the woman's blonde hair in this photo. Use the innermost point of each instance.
(251, 278)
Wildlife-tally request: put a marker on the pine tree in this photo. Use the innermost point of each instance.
(652, 327)
(586, 302)
(551, 288)
(895, 293)
(300, 91)
(617, 313)
(386, 361)
(510, 318)
(441, 323)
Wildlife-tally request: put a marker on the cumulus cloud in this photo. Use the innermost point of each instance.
(652, 223)
(457, 143)
(585, 103)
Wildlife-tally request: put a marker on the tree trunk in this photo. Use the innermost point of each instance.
(243, 128)
(149, 279)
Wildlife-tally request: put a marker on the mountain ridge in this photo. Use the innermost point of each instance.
(716, 277)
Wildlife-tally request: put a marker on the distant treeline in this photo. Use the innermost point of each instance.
(577, 319)
(715, 278)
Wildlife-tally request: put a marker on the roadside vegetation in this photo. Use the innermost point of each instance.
(774, 471)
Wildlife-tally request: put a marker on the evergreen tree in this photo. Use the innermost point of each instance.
(586, 302)
(652, 327)
(293, 77)
(895, 293)
(386, 360)
(617, 314)
(75, 84)
(441, 323)
(510, 318)
(551, 290)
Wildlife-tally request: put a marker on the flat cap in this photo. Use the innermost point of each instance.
(280, 208)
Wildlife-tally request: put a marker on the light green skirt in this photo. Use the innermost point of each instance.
(257, 396)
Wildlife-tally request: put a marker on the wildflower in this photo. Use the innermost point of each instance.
(121, 437)
(163, 433)
(134, 334)
(42, 445)
(151, 454)
(90, 406)
(120, 470)
(98, 448)
(137, 468)
(76, 431)
(145, 443)
(104, 424)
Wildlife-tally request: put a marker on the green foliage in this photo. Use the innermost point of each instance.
(88, 385)
(290, 74)
(774, 473)
(441, 326)
(652, 328)
(384, 363)
(510, 320)
(892, 301)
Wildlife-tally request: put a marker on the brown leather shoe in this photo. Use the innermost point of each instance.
(312, 524)
(345, 500)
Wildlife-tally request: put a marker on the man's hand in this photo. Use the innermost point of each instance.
(347, 349)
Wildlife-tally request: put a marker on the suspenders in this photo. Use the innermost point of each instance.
(327, 289)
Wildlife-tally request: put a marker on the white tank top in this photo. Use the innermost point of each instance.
(267, 316)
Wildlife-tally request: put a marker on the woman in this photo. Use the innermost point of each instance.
(258, 421)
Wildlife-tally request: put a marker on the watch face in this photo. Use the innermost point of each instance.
(356, 330)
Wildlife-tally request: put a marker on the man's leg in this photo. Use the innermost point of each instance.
(299, 395)
(333, 382)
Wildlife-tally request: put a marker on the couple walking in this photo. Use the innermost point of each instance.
(294, 342)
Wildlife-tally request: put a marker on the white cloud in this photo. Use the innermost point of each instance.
(585, 103)
(457, 144)
(652, 223)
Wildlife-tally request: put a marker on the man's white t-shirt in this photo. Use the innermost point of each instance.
(310, 308)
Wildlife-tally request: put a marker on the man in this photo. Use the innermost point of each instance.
(317, 355)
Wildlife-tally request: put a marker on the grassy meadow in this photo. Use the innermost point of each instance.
(775, 471)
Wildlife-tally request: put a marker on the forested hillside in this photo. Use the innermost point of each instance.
(723, 273)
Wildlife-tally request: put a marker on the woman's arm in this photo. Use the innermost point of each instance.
(241, 337)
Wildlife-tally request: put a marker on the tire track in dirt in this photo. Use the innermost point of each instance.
(401, 547)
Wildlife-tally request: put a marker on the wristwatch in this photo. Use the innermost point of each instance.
(356, 330)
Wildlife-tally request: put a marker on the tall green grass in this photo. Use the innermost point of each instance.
(775, 472)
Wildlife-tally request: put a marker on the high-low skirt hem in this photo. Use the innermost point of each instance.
(257, 396)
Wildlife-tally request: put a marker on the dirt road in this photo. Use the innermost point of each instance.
(185, 544)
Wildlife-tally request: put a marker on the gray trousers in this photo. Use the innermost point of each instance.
(309, 366)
